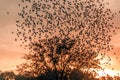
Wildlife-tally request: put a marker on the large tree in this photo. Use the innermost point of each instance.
(59, 57)
(63, 34)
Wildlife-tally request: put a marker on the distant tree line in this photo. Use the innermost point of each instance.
(75, 75)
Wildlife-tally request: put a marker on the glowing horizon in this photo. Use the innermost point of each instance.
(109, 72)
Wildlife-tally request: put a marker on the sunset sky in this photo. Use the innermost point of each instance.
(11, 52)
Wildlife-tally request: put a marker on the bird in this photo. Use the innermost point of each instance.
(8, 12)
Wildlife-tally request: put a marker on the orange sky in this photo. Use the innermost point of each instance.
(11, 52)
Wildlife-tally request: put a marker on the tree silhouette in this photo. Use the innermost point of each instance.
(59, 57)
(7, 75)
(63, 34)
(82, 75)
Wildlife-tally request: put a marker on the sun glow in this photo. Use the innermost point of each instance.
(108, 72)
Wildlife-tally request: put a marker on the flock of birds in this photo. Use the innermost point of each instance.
(89, 22)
